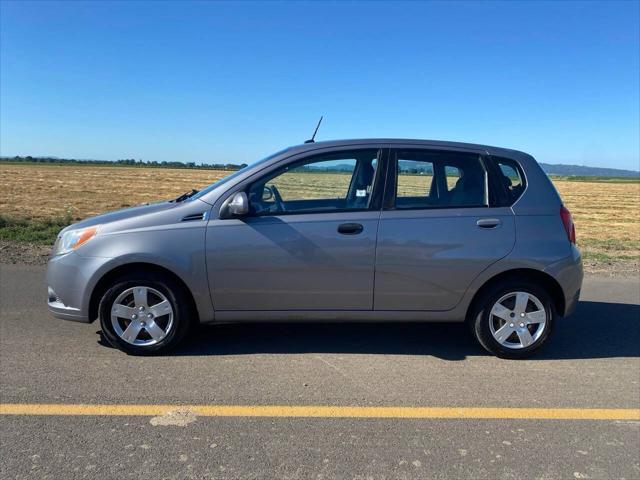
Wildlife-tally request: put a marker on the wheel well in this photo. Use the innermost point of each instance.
(536, 276)
(107, 279)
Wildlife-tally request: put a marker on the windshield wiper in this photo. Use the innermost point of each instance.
(184, 196)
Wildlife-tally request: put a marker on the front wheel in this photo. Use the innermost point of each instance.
(513, 320)
(144, 314)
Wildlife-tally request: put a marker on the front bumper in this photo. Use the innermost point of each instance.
(70, 284)
(59, 310)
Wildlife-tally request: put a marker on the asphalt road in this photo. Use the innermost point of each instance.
(592, 361)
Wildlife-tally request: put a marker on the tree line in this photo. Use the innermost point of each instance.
(124, 162)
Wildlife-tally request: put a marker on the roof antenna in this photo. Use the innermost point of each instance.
(312, 139)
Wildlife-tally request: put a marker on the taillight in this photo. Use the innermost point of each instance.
(567, 221)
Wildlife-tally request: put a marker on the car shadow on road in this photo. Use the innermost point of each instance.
(595, 330)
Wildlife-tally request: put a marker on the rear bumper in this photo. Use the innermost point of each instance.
(572, 304)
(569, 274)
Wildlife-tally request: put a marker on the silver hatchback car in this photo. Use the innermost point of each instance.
(353, 230)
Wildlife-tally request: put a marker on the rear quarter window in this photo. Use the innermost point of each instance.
(511, 177)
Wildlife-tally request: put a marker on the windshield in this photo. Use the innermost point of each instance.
(235, 174)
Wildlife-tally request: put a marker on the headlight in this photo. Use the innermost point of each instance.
(72, 239)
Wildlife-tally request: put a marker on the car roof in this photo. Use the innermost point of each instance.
(405, 141)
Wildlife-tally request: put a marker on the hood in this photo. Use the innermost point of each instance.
(122, 214)
(153, 214)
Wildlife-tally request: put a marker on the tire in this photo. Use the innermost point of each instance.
(162, 322)
(514, 342)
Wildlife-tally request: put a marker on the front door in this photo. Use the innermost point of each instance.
(309, 241)
(439, 229)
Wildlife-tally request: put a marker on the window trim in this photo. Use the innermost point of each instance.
(392, 178)
(374, 201)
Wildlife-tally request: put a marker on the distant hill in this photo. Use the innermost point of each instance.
(581, 171)
(123, 162)
(550, 169)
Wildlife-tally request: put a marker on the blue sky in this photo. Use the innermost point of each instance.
(232, 82)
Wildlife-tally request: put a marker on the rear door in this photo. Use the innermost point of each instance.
(309, 241)
(440, 227)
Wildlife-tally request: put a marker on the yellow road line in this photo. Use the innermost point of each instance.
(313, 411)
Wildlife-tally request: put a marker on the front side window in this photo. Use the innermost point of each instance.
(325, 183)
(235, 174)
(436, 179)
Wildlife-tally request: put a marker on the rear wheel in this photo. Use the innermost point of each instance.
(513, 319)
(145, 314)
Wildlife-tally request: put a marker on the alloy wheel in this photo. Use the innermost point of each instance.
(517, 320)
(142, 316)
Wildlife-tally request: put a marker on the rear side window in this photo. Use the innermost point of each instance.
(415, 178)
(439, 179)
(452, 174)
(511, 177)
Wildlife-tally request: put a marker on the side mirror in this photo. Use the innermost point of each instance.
(235, 206)
(267, 194)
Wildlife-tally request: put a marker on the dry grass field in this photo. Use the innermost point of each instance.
(56, 191)
(607, 214)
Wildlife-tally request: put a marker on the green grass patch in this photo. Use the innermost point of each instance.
(606, 257)
(610, 245)
(42, 232)
(609, 250)
(594, 178)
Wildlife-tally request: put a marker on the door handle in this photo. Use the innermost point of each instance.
(489, 222)
(350, 228)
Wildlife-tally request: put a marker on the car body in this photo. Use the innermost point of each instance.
(370, 230)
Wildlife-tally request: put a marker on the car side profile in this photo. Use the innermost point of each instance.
(353, 230)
